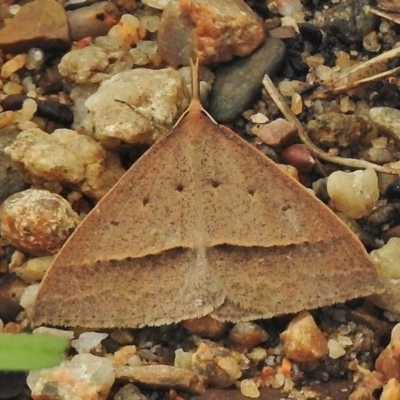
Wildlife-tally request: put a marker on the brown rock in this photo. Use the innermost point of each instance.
(214, 30)
(388, 362)
(41, 23)
(302, 341)
(248, 335)
(277, 133)
(205, 327)
(162, 377)
(391, 391)
(298, 156)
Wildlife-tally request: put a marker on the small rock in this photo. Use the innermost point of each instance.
(277, 133)
(13, 65)
(354, 193)
(41, 23)
(336, 349)
(122, 356)
(162, 377)
(248, 388)
(205, 327)
(338, 130)
(351, 21)
(85, 377)
(87, 65)
(386, 260)
(392, 190)
(122, 336)
(299, 157)
(215, 31)
(37, 221)
(385, 214)
(66, 157)
(238, 83)
(158, 98)
(69, 335)
(92, 21)
(129, 31)
(386, 119)
(183, 359)
(88, 341)
(28, 298)
(11, 180)
(229, 365)
(303, 341)
(11, 290)
(34, 269)
(391, 391)
(129, 392)
(248, 335)
(388, 362)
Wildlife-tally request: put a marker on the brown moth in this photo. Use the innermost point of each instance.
(203, 223)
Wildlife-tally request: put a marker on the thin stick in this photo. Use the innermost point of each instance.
(316, 151)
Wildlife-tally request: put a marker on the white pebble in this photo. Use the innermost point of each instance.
(354, 193)
(69, 335)
(29, 296)
(159, 4)
(336, 350)
(88, 341)
(249, 388)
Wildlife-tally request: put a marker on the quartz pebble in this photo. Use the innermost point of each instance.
(67, 157)
(354, 193)
(302, 340)
(386, 260)
(129, 30)
(162, 377)
(391, 391)
(388, 362)
(37, 221)
(336, 349)
(215, 31)
(123, 355)
(277, 133)
(34, 269)
(84, 377)
(248, 388)
(387, 119)
(158, 98)
(129, 392)
(248, 335)
(69, 335)
(205, 327)
(13, 65)
(88, 341)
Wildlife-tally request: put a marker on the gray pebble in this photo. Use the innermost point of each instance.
(350, 21)
(129, 392)
(238, 83)
(10, 179)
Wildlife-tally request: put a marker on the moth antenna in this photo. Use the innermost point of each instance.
(194, 72)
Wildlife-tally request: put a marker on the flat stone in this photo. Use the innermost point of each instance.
(162, 377)
(238, 83)
(41, 23)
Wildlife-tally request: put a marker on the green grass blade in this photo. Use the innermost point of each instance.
(24, 351)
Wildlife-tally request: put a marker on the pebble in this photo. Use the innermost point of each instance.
(162, 377)
(338, 130)
(129, 392)
(388, 362)
(92, 21)
(248, 335)
(84, 377)
(205, 327)
(354, 193)
(40, 23)
(11, 290)
(129, 31)
(87, 65)
(238, 83)
(124, 355)
(13, 65)
(386, 119)
(215, 31)
(68, 157)
(299, 157)
(69, 335)
(392, 191)
(351, 21)
(37, 221)
(303, 341)
(385, 214)
(158, 96)
(34, 269)
(277, 133)
(52, 110)
(11, 180)
(122, 336)
(386, 260)
(88, 341)
(391, 391)
(248, 388)
(336, 349)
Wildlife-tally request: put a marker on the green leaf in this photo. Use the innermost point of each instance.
(24, 351)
